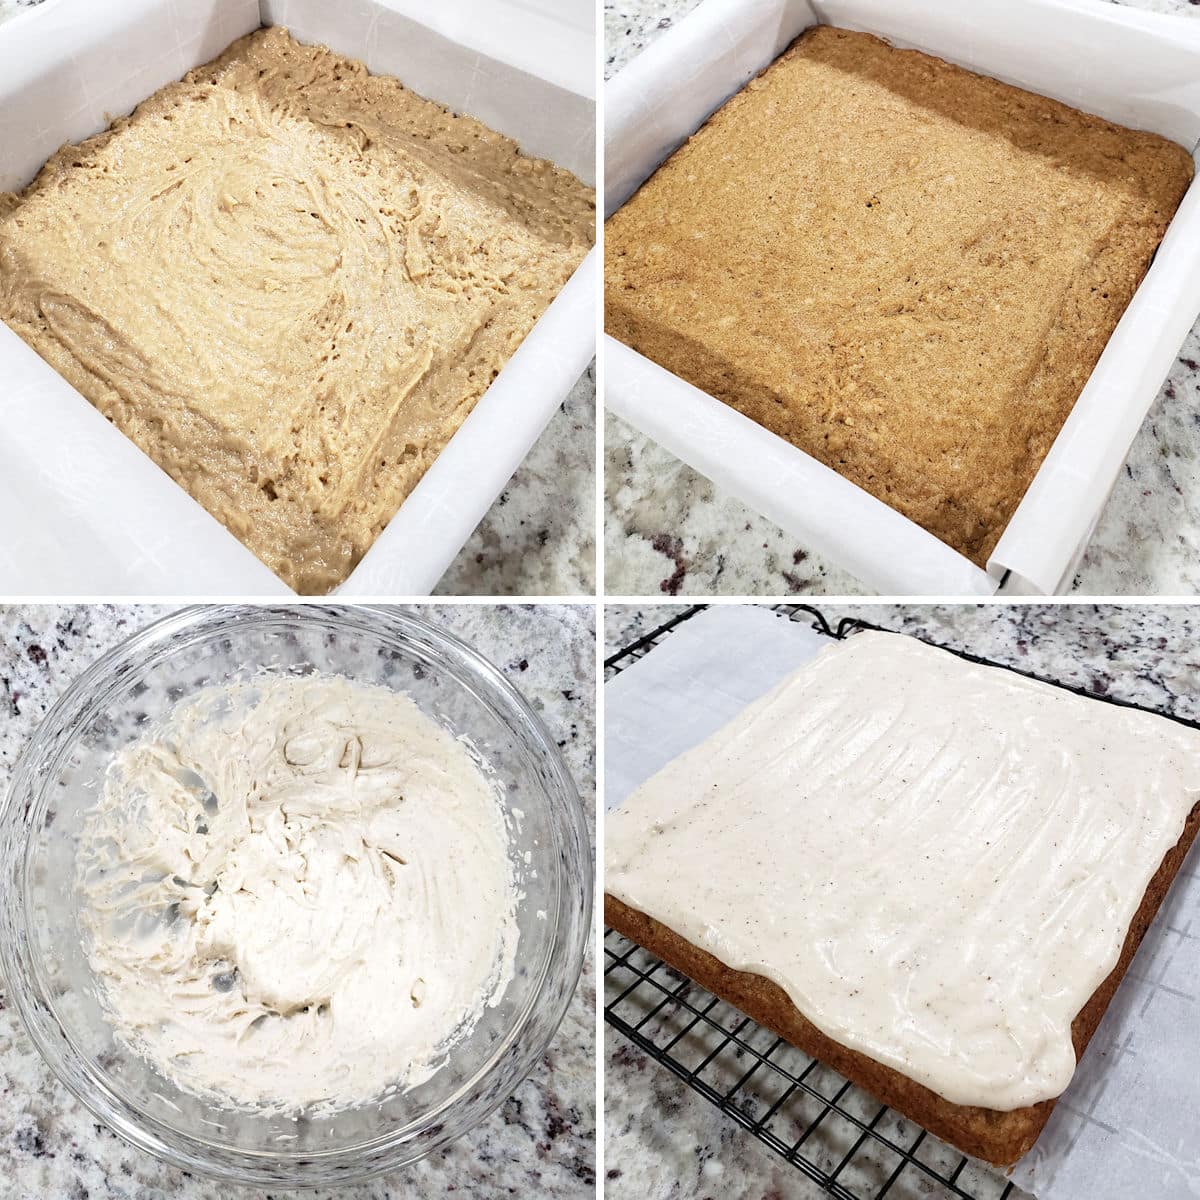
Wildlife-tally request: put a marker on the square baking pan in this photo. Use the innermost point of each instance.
(1134, 68)
(84, 510)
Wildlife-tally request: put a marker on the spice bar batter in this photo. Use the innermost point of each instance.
(297, 894)
(288, 281)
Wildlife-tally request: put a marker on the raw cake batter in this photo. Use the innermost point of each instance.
(297, 894)
(288, 281)
(937, 862)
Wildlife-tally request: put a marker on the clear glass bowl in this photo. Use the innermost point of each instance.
(60, 776)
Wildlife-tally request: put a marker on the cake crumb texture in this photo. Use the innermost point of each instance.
(904, 269)
(998, 1137)
(289, 281)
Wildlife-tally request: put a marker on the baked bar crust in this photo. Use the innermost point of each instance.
(904, 269)
(288, 281)
(997, 1137)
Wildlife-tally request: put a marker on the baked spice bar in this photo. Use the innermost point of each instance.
(904, 269)
(289, 281)
(970, 973)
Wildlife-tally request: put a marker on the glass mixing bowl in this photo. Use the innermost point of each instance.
(61, 774)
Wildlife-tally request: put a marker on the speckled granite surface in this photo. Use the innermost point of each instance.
(10, 8)
(541, 1141)
(661, 1139)
(538, 538)
(668, 530)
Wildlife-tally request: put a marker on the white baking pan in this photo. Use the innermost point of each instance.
(1139, 69)
(82, 510)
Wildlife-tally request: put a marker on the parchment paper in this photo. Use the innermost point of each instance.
(1128, 1125)
(83, 511)
(1140, 69)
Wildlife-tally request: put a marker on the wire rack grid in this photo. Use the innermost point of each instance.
(835, 1133)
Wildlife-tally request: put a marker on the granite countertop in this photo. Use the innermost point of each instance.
(10, 8)
(667, 529)
(1145, 654)
(538, 538)
(542, 1139)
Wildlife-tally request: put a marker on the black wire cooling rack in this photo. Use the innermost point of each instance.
(845, 1141)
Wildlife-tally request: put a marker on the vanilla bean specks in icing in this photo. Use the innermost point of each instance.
(297, 894)
(937, 862)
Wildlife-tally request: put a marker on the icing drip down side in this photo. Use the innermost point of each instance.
(938, 862)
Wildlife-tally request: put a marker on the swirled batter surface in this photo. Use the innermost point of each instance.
(297, 894)
(288, 281)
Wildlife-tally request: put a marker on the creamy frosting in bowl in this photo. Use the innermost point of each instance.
(293, 896)
(298, 893)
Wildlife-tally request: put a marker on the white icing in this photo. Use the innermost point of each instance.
(297, 894)
(938, 862)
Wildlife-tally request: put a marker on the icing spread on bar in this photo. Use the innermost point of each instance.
(297, 893)
(938, 862)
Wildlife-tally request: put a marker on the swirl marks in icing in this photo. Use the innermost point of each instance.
(297, 894)
(938, 862)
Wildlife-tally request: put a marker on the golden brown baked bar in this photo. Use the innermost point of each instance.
(905, 269)
(997, 1137)
(289, 281)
